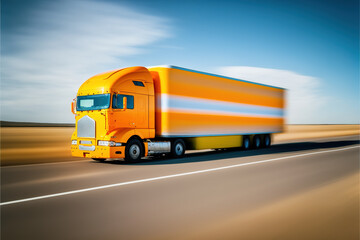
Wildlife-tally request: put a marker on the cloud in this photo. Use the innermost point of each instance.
(63, 44)
(304, 99)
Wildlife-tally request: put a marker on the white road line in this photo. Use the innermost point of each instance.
(169, 176)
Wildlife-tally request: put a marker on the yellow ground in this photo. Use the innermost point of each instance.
(26, 145)
(295, 132)
(23, 145)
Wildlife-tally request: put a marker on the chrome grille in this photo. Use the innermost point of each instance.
(86, 127)
(86, 148)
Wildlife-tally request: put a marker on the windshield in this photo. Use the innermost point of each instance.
(93, 102)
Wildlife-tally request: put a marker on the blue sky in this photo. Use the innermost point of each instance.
(309, 47)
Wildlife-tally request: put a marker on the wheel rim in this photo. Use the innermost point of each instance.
(134, 151)
(267, 141)
(257, 142)
(179, 149)
(246, 143)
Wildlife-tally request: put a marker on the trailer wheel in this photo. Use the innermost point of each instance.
(256, 141)
(246, 143)
(267, 140)
(178, 148)
(133, 150)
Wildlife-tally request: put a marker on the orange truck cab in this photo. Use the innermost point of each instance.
(135, 112)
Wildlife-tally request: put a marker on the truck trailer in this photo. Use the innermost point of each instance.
(136, 112)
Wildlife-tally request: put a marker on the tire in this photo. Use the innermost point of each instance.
(246, 143)
(256, 142)
(266, 140)
(178, 148)
(134, 150)
(99, 159)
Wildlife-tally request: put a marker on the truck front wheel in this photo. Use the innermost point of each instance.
(178, 148)
(133, 150)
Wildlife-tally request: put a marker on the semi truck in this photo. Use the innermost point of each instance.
(136, 112)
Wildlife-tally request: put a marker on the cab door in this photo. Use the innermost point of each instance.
(123, 118)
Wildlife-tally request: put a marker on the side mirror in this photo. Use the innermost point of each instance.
(73, 106)
(124, 103)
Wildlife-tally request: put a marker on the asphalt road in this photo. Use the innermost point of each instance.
(298, 190)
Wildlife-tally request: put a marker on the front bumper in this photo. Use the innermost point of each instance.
(92, 151)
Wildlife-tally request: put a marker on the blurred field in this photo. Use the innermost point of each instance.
(27, 145)
(296, 132)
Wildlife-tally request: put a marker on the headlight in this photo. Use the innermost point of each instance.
(103, 143)
(74, 142)
(108, 143)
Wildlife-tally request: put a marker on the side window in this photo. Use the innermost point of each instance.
(138, 83)
(118, 101)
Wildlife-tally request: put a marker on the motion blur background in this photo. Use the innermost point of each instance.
(309, 47)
